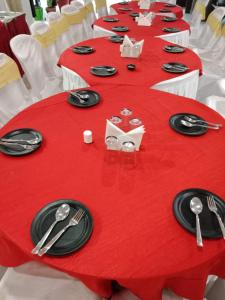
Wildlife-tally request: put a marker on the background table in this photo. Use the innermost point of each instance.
(136, 239)
(148, 66)
(155, 7)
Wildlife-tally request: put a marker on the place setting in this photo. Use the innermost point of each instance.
(165, 10)
(103, 71)
(125, 8)
(191, 124)
(201, 212)
(170, 5)
(61, 227)
(83, 98)
(175, 67)
(83, 49)
(174, 49)
(110, 19)
(120, 28)
(171, 29)
(20, 142)
(169, 19)
(116, 38)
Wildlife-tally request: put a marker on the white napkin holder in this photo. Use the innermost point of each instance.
(130, 49)
(135, 135)
(145, 20)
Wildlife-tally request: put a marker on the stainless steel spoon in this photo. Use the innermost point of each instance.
(189, 119)
(30, 142)
(60, 215)
(196, 207)
(82, 97)
(188, 124)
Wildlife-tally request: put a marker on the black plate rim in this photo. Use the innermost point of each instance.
(25, 152)
(168, 29)
(116, 39)
(111, 20)
(58, 202)
(169, 51)
(125, 28)
(202, 130)
(197, 191)
(84, 105)
(168, 19)
(84, 47)
(175, 71)
(105, 75)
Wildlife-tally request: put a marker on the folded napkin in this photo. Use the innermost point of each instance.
(145, 20)
(135, 135)
(144, 4)
(130, 49)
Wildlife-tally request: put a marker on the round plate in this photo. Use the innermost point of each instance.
(103, 71)
(170, 5)
(125, 8)
(110, 19)
(174, 67)
(208, 221)
(171, 29)
(134, 14)
(75, 236)
(116, 38)
(169, 19)
(21, 134)
(175, 123)
(173, 49)
(120, 28)
(93, 99)
(83, 50)
(165, 10)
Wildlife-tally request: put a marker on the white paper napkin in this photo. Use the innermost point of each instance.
(135, 135)
(129, 49)
(145, 20)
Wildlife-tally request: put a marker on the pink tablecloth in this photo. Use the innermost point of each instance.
(136, 239)
(155, 7)
(148, 66)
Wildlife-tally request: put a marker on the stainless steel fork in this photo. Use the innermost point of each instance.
(72, 222)
(212, 206)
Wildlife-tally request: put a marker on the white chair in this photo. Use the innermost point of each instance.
(14, 95)
(29, 53)
(47, 40)
(61, 28)
(185, 85)
(38, 282)
(180, 38)
(91, 15)
(76, 18)
(101, 8)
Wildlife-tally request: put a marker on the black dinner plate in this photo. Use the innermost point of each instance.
(175, 123)
(173, 49)
(174, 67)
(125, 8)
(21, 134)
(107, 19)
(116, 38)
(171, 29)
(103, 71)
(134, 14)
(73, 239)
(169, 19)
(93, 99)
(170, 5)
(120, 28)
(208, 221)
(83, 49)
(165, 10)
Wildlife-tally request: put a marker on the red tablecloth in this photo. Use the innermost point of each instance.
(136, 31)
(155, 7)
(136, 239)
(148, 66)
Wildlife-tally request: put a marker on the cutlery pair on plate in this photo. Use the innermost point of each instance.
(19, 143)
(60, 215)
(196, 207)
(191, 122)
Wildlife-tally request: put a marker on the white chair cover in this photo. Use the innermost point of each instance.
(180, 38)
(78, 32)
(217, 292)
(29, 53)
(34, 281)
(100, 31)
(101, 12)
(185, 85)
(14, 96)
(64, 40)
(71, 80)
(218, 104)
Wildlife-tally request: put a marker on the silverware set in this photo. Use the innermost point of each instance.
(17, 144)
(196, 207)
(60, 215)
(192, 122)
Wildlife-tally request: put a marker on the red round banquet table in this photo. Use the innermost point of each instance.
(155, 7)
(136, 239)
(148, 66)
(136, 31)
